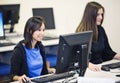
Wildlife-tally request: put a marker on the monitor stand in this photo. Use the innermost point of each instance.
(11, 28)
(82, 72)
(83, 59)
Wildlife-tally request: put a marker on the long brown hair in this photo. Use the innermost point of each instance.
(88, 21)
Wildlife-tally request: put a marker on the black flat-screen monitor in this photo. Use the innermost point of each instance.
(2, 35)
(10, 14)
(73, 52)
(47, 14)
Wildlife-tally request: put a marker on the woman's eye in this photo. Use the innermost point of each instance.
(39, 29)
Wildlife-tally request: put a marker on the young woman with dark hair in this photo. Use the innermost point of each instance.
(29, 58)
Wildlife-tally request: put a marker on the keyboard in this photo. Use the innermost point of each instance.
(5, 43)
(52, 77)
(49, 38)
(112, 65)
(117, 81)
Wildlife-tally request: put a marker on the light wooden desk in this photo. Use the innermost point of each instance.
(100, 74)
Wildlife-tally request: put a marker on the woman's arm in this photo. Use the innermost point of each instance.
(50, 70)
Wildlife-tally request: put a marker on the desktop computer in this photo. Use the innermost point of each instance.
(73, 56)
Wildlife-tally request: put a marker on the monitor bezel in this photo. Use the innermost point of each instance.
(12, 8)
(2, 26)
(69, 41)
(48, 15)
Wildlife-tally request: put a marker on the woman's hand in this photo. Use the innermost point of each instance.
(51, 70)
(93, 67)
(22, 78)
(117, 56)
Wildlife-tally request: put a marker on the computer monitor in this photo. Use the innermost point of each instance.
(47, 14)
(2, 35)
(73, 52)
(10, 14)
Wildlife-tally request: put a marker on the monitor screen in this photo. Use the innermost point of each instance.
(73, 52)
(47, 14)
(10, 14)
(1, 27)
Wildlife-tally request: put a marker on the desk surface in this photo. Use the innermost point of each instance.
(104, 74)
(16, 40)
(101, 74)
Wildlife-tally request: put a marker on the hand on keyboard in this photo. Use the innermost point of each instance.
(52, 77)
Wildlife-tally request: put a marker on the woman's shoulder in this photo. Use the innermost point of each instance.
(19, 50)
(19, 44)
(101, 28)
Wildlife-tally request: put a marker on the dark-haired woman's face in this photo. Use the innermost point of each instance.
(38, 34)
(99, 16)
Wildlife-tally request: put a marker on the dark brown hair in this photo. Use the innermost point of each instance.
(88, 21)
(33, 24)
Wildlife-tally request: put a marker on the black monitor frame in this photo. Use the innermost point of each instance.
(10, 14)
(73, 52)
(2, 33)
(47, 14)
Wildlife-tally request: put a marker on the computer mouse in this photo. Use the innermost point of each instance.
(118, 75)
(104, 68)
(117, 81)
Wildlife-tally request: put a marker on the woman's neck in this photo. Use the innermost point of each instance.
(33, 43)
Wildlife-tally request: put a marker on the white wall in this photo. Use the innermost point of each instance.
(68, 14)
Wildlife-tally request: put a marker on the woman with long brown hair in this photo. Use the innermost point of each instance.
(92, 20)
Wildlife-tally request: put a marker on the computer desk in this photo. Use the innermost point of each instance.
(104, 74)
(100, 74)
(17, 39)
